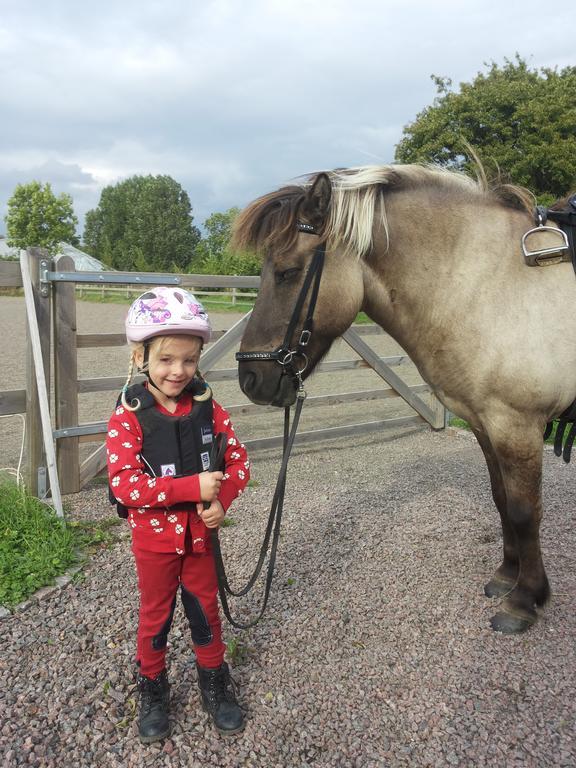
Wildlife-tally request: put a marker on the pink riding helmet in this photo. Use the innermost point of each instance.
(166, 311)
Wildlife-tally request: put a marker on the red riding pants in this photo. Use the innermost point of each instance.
(159, 576)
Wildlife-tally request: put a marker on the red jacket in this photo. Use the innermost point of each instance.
(154, 527)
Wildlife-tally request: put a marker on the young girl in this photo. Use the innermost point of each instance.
(159, 443)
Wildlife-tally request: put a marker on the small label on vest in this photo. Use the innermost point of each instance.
(206, 435)
(205, 457)
(168, 470)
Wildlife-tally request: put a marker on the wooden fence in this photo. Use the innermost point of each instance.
(52, 303)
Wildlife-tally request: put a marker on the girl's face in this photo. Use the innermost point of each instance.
(172, 363)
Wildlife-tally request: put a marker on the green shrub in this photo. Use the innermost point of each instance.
(35, 545)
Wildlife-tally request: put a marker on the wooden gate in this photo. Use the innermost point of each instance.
(52, 299)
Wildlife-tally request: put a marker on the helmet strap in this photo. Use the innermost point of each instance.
(144, 368)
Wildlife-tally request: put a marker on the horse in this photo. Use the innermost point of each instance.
(434, 257)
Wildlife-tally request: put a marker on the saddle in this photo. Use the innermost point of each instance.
(563, 250)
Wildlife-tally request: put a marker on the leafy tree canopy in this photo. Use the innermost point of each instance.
(144, 224)
(521, 122)
(37, 217)
(213, 255)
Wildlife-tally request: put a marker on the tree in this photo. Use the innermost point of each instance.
(142, 223)
(522, 122)
(213, 255)
(37, 217)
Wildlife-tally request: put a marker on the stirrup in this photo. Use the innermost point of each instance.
(542, 257)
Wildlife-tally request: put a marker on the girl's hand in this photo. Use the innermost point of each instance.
(210, 485)
(213, 516)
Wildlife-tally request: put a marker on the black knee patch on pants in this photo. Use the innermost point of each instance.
(159, 641)
(199, 625)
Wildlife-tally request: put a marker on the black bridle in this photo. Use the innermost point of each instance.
(283, 354)
(286, 357)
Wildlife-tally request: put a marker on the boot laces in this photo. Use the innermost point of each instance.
(222, 687)
(151, 693)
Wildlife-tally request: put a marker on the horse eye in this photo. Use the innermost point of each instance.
(286, 275)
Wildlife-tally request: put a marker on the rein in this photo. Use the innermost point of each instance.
(286, 357)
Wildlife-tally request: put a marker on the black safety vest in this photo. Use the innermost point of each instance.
(173, 446)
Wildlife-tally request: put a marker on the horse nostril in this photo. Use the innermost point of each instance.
(247, 382)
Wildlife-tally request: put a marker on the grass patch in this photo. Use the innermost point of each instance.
(36, 546)
(363, 319)
(461, 424)
(91, 535)
(550, 440)
(236, 650)
(223, 302)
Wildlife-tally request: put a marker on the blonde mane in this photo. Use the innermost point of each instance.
(357, 194)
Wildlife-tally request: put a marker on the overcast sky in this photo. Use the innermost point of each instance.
(233, 98)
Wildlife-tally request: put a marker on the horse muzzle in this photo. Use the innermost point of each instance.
(266, 384)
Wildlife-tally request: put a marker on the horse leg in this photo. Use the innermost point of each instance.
(518, 449)
(506, 574)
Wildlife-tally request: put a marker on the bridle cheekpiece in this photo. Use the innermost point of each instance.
(283, 354)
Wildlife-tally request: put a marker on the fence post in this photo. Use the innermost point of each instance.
(35, 453)
(440, 413)
(66, 378)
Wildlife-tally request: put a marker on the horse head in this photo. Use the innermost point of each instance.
(304, 271)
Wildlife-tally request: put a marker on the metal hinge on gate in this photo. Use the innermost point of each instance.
(44, 281)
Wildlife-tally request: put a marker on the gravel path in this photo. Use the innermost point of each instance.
(375, 649)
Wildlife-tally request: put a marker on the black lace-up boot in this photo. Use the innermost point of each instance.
(153, 720)
(219, 699)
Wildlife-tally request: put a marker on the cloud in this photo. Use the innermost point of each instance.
(233, 99)
(69, 178)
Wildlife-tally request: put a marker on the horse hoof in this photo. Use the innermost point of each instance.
(509, 624)
(498, 588)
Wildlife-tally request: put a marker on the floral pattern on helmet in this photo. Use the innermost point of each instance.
(166, 310)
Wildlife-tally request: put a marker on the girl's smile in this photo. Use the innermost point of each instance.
(172, 364)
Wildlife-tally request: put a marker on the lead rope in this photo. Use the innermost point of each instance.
(285, 356)
(274, 522)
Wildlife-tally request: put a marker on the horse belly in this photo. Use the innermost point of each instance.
(524, 371)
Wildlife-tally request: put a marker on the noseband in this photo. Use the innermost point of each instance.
(283, 354)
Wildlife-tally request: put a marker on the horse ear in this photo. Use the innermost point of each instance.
(317, 201)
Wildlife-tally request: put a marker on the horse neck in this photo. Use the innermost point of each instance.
(438, 253)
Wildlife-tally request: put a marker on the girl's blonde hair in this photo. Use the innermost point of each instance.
(138, 350)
